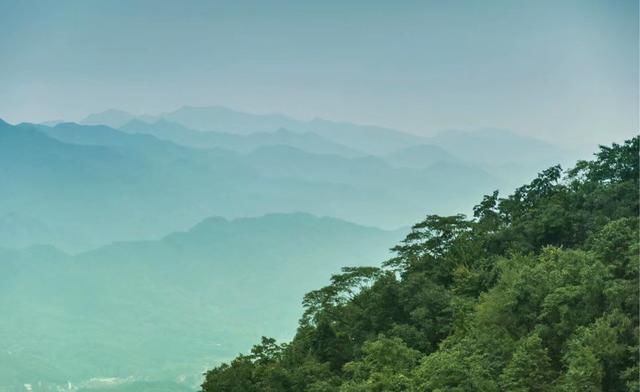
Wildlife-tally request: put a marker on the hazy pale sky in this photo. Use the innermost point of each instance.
(565, 70)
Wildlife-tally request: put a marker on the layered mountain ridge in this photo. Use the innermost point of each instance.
(80, 186)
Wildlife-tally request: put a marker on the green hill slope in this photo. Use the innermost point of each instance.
(537, 292)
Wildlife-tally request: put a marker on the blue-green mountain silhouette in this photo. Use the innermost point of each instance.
(159, 310)
(96, 184)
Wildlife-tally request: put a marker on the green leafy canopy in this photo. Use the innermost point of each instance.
(538, 291)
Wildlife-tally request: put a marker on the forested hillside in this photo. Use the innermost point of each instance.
(538, 291)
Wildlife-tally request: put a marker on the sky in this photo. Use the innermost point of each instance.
(565, 71)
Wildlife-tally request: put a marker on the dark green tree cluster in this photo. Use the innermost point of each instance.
(537, 292)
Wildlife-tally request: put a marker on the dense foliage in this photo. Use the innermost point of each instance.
(537, 292)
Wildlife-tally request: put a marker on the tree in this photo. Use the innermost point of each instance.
(385, 366)
(529, 369)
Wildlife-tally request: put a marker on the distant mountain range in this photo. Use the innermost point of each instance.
(488, 146)
(95, 293)
(164, 309)
(177, 133)
(79, 186)
(364, 138)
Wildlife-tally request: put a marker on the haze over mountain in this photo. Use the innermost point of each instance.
(501, 152)
(419, 156)
(485, 146)
(180, 134)
(136, 309)
(111, 117)
(366, 138)
(79, 186)
(176, 175)
(130, 308)
(497, 146)
(166, 309)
